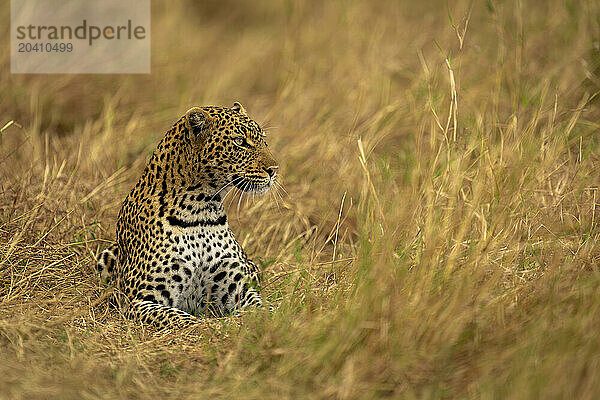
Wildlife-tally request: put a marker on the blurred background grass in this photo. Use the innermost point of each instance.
(439, 238)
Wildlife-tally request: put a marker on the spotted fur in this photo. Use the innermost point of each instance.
(175, 256)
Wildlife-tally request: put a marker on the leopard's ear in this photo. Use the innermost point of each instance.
(237, 107)
(197, 121)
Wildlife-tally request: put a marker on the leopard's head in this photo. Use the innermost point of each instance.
(232, 148)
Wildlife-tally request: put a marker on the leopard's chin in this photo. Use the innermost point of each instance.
(262, 189)
(249, 186)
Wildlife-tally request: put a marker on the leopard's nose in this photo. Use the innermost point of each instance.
(272, 170)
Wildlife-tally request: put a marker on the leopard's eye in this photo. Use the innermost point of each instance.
(239, 141)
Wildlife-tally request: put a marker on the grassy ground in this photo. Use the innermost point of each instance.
(439, 238)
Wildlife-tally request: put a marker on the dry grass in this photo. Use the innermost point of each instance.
(439, 239)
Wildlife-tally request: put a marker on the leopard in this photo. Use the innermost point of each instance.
(175, 259)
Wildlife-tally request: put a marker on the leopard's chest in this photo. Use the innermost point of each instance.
(204, 262)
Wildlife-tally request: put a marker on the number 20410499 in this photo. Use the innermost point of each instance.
(41, 47)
